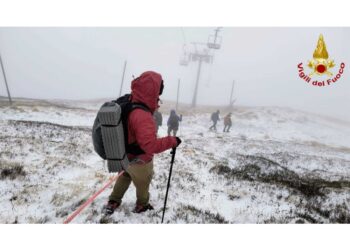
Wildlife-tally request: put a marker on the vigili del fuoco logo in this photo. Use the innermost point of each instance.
(321, 66)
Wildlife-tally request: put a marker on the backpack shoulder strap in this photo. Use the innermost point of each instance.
(127, 108)
(138, 105)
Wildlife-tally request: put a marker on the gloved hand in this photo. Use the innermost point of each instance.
(178, 141)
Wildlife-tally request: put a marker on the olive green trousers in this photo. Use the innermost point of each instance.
(141, 175)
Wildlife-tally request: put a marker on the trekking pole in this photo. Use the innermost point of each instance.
(168, 186)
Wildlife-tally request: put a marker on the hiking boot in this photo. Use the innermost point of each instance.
(110, 207)
(142, 208)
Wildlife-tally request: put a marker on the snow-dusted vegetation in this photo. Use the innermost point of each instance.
(277, 165)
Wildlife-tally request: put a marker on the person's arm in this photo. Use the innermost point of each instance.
(145, 132)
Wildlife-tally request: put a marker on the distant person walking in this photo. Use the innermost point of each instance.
(227, 122)
(215, 118)
(173, 122)
(158, 118)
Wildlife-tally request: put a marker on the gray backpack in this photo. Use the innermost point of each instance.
(110, 133)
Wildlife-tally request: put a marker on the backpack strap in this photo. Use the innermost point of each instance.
(132, 148)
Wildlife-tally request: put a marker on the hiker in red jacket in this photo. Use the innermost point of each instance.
(142, 131)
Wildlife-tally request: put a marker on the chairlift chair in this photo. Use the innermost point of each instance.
(194, 57)
(184, 59)
(208, 59)
(214, 43)
(183, 62)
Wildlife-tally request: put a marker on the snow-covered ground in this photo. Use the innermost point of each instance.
(277, 165)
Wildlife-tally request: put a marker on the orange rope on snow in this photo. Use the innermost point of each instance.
(91, 199)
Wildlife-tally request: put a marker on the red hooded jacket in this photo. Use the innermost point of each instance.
(141, 125)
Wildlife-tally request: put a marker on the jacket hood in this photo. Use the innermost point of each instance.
(145, 89)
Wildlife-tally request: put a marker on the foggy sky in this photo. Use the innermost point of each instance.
(84, 63)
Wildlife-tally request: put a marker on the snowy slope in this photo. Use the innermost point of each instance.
(277, 165)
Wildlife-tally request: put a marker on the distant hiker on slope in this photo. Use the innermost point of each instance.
(227, 122)
(173, 122)
(142, 132)
(158, 118)
(215, 118)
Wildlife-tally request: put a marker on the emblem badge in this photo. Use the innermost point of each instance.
(320, 65)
